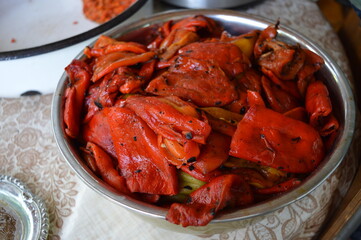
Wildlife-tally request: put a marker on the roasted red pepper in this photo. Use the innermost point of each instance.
(221, 126)
(201, 82)
(318, 103)
(165, 117)
(281, 187)
(103, 94)
(105, 45)
(312, 64)
(253, 177)
(213, 153)
(255, 99)
(107, 63)
(97, 131)
(223, 114)
(250, 80)
(79, 74)
(197, 23)
(227, 56)
(278, 99)
(284, 61)
(290, 87)
(179, 153)
(298, 113)
(176, 40)
(266, 35)
(272, 139)
(106, 168)
(331, 125)
(203, 204)
(196, 173)
(140, 159)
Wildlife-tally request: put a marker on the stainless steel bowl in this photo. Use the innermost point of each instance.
(235, 23)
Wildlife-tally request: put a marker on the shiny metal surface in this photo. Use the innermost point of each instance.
(23, 215)
(235, 23)
(208, 3)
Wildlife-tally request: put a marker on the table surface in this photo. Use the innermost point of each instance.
(28, 152)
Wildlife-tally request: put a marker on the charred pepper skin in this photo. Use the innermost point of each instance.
(244, 117)
(272, 139)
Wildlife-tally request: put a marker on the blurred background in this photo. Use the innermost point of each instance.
(345, 18)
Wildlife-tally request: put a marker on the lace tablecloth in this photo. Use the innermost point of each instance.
(29, 153)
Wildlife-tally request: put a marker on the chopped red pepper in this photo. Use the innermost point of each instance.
(165, 117)
(223, 191)
(318, 103)
(105, 45)
(312, 64)
(214, 153)
(201, 82)
(331, 125)
(266, 35)
(281, 187)
(272, 139)
(196, 173)
(106, 168)
(250, 80)
(140, 159)
(176, 40)
(253, 177)
(227, 56)
(290, 87)
(278, 99)
(79, 74)
(197, 23)
(107, 63)
(298, 113)
(284, 61)
(221, 126)
(255, 99)
(97, 131)
(102, 94)
(179, 154)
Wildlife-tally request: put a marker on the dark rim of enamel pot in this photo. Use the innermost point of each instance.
(67, 42)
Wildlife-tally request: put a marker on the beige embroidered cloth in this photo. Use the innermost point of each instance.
(29, 153)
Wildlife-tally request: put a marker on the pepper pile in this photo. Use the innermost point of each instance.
(101, 11)
(192, 118)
